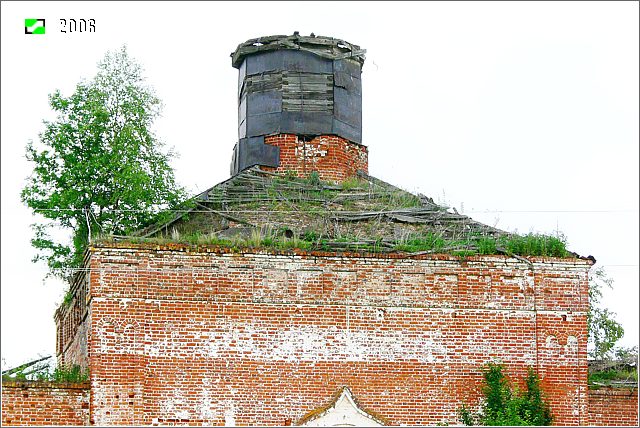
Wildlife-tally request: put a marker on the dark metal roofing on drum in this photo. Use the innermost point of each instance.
(304, 85)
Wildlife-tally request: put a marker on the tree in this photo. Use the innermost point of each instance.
(604, 330)
(99, 167)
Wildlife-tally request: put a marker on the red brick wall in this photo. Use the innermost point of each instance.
(194, 335)
(72, 326)
(561, 334)
(333, 157)
(613, 407)
(44, 403)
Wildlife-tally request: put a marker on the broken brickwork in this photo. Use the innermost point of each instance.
(71, 326)
(332, 157)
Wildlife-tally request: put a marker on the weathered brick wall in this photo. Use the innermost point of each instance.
(613, 407)
(333, 157)
(45, 403)
(72, 322)
(561, 300)
(192, 336)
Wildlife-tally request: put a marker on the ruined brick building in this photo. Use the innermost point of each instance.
(303, 291)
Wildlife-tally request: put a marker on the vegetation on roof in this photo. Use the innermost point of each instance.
(627, 376)
(618, 370)
(260, 210)
(529, 245)
(41, 370)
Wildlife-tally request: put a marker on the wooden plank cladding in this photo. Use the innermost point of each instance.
(309, 92)
(261, 83)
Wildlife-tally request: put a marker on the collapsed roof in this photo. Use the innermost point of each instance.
(256, 207)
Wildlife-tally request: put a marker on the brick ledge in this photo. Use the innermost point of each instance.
(24, 384)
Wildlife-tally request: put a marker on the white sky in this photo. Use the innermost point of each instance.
(500, 107)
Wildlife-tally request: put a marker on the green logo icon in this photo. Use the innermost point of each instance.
(33, 26)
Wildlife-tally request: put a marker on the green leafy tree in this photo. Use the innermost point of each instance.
(99, 168)
(604, 330)
(504, 405)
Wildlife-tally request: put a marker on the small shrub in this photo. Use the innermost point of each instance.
(291, 243)
(535, 409)
(311, 236)
(463, 254)
(68, 297)
(268, 241)
(506, 406)
(313, 178)
(73, 374)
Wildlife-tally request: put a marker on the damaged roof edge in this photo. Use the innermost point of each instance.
(326, 47)
(426, 213)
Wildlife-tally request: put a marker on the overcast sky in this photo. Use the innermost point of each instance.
(521, 115)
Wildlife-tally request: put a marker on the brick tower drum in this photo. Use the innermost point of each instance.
(300, 106)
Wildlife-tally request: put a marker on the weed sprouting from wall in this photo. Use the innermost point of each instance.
(504, 405)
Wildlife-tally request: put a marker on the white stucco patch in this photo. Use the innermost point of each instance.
(313, 343)
(176, 406)
(343, 412)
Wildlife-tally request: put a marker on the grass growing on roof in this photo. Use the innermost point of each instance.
(304, 203)
(44, 373)
(610, 376)
(527, 245)
(428, 242)
(354, 183)
(534, 245)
